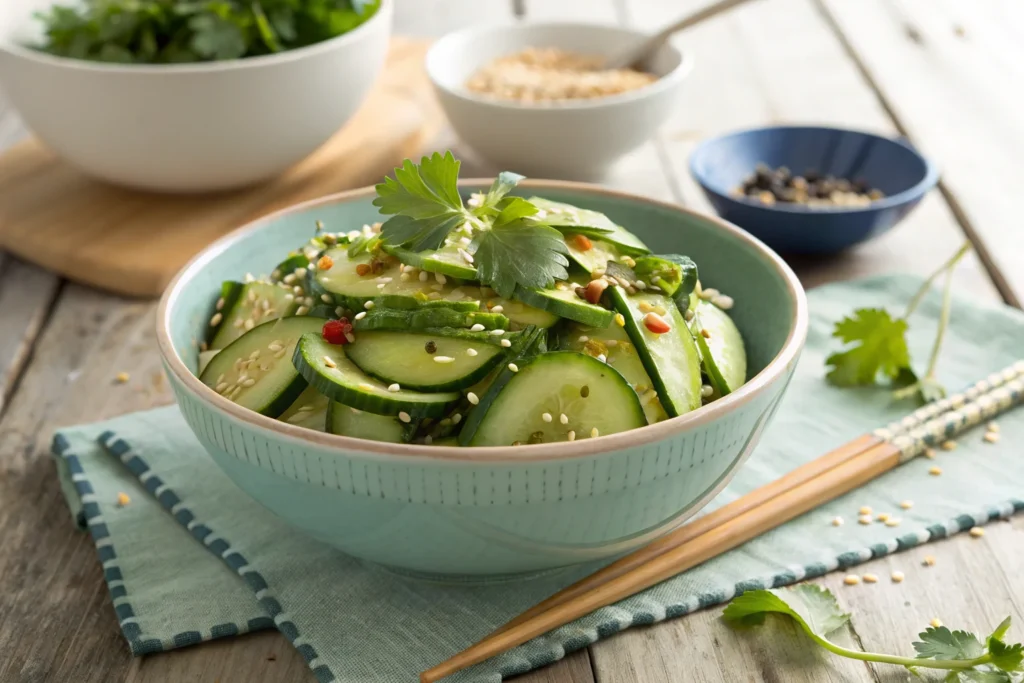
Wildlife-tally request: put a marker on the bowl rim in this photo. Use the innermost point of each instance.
(772, 372)
(383, 14)
(670, 80)
(916, 191)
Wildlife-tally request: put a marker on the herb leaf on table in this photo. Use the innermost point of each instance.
(817, 612)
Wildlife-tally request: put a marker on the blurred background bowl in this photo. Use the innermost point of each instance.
(188, 127)
(721, 164)
(572, 139)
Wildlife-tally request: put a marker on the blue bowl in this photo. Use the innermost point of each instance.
(721, 164)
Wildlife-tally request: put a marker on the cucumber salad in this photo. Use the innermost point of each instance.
(499, 321)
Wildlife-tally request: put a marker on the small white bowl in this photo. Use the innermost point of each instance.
(190, 127)
(576, 138)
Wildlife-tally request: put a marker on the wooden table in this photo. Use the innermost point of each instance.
(948, 75)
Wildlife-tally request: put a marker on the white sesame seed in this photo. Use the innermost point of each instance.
(249, 323)
(865, 510)
(289, 297)
(907, 504)
(935, 471)
(546, 417)
(603, 358)
(300, 272)
(976, 532)
(497, 333)
(513, 367)
(837, 521)
(301, 310)
(851, 579)
(584, 338)
(991, 437)
(471, 352)
(254, 355)
(368, 305)
(465, 255)
(505, 343)
(864, 519)
(465, 241)
(404, 417)
(928, 561)
(221, 387)
(611, 343)
(329, 362)
(948, 445)
(384, 279)
(594, 433)
(563, 418)
(289, 278)
(265, 305)
(641, 285)
(326, 298)
(215, 320)
(477, 328)
(688, 316)
(456, 418)
(381, 286)
(394, 387)
(238, 323)
(706, 390)
(440, 278)
(339, 311)
(571, 435)
(870, 578)
(992, 427)
(897, 577)
(424, 275)
(498, 309)
(220, 303)
(404, 277)
(722, 301)
(443, 359)
(366, 387)
(472, 398)
(248, 383)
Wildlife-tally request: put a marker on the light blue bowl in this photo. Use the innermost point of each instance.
(491, 511)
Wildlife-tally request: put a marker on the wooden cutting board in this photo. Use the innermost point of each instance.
(133, 243)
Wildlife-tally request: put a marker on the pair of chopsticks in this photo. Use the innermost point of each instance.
(805, 488)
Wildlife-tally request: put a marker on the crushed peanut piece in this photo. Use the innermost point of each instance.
(928, 561)
(123, 499)
(935, 471)
(897, 577)
(122, 377)
(948, 445)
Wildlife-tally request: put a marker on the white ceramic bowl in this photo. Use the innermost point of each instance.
(190, 127)
(577, 139)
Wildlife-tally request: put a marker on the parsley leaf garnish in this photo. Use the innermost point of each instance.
(880, 346)
(518, 254)
(817, 612)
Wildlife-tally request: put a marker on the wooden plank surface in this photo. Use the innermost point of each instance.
(760, 64)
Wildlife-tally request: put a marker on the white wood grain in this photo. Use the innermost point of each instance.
(952, 73)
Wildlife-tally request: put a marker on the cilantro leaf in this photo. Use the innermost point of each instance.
(1001, 630)
(521, 254)
(426, 200)
(1005, 657)
(980, 676)
(502, 185)
(941, 643)
(880, 346)
(216, 38)
(512, 209)
(813, 607)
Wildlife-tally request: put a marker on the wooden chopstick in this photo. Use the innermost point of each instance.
(820, 481)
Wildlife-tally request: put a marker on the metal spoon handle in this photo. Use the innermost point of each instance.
(637, 53)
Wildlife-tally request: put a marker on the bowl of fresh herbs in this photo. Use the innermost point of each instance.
(196, 96)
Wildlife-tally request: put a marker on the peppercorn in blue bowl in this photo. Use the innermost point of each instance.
(811, 189)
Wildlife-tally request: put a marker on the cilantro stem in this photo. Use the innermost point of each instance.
(908, 662)
(927, 285)
(947, 302)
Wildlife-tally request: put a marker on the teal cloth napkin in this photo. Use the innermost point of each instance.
(191, 558)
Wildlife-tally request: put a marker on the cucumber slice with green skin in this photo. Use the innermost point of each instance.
(570, 219)
(723, 352)
(521, 315)
(595, 258)
(348, 421)
(671, 359)
(403, 358)
(565, 303)
(447, 260)
(346, 383)
(204, 359)
(593, 396)
(386, 288)
(290, 264)
(309, 410)
(398, 320)
(261, 356)
(246, 306)
(614, 344)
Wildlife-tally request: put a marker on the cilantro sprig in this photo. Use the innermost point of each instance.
(879, 344)
(966, 658)
(508, 247)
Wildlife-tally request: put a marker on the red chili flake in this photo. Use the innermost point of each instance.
(363, 269)
(337, 331)
(656, 324)
(583, 243)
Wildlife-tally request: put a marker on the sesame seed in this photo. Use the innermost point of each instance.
(122, 377)
(298, 291)
(221, 387)
(428, 439)
(248, 383)
(991, 437)
(249, 278)
(865, 510)
(339, 311)
(851, 579)
(603, 358)
(929, 453)
(882, 516)
(976, 532)
(477, 328)
(404, 417)
(928, 561)
(360, 315)
(563, 418)
(440, 278)
(948, 445)
(594, 433)
(688, 316)
(456, 418)
(907, 504)
(366, 386)
(935, 623)
(641, 285)
(620, 320)
(368, 305)
(864, 519)
(584, 338)
(870, 578)
(123, 499)
(546, 417)
(215, 320)
(892, 521)
(465, 255)
(301, 310)
(300, 272)
(404, 277)
(289, 297)
(289, 278)
(837, 521)
(326, 298)
(473, 398)
(704, 333)
(497, 333)
(471, 352)
(443, 359)
(992, 427)
(724, 302)
(238, 323)
(254, 355)
(935, 471)
(513, 367)
(381, 286)
(505, 343)
(329, 362)
(706, 390)
(394, 387)
(497, 309)
(571, 435)
(897, 577)
(220, 303)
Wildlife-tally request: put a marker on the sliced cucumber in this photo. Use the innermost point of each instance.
(392, 319)
(593, 396)
(447, 260)
(343, 419)
(595, 258)
(205, 357)
(565, 303)
(723, 352)
(309, 410)
(294, 261)
(255, 371)
(424, 362)
(246, 306)
(445, 441)
(614, 344)
(571, 219)
(327, 367)
(383, 284)
(671, 359)
(521, 315)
